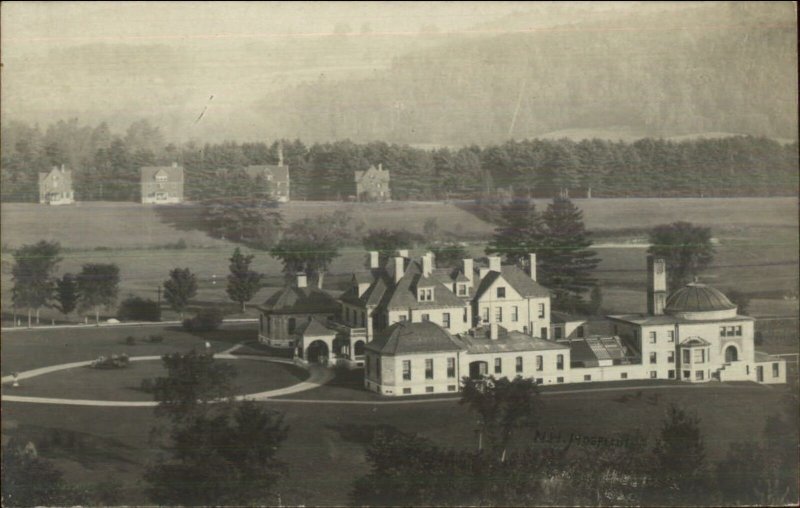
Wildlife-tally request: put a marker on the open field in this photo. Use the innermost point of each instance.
(757, 249)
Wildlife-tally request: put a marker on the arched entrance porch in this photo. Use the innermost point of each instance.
(317, 352)
(731, 354)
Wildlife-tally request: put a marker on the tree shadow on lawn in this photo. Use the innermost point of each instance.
(362, 434)
(184, 217)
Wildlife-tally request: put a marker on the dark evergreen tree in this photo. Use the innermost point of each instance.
(520, 233)
(179, 289)
(67, 293)
(32, 275)
(243, 283)
(567, 262)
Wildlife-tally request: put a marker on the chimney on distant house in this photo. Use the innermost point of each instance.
(427, 264)
(174, 164)
(280, 153)
(494, 263)
(493, 331)
(302, 280)
(468, 267)
(373, 259)
(656, 285)
(380, 166)
(402, 253)
(63, 168)
(532, 266)
(399, 268)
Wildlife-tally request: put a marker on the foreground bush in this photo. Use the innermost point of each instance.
(206, 320)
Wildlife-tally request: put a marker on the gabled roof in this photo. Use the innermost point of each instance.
(517, 279)
(174, 173)
(403, 294)
(410, 338)
(277, 172)
(314, 327)
(294, 300)
(507, 342)
(695, 342)
(66, 173)
(382, 174)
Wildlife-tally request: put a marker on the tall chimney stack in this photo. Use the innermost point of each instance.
(494, 263)
(493, 331)
(427, 264)
(656, 285)
(373, 259)
(402, 253)
(280, 153)
(532, 266)
(302, 280)
(399, 268)
(468, 267)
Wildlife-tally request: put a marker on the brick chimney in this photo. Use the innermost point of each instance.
(494, 263)
(402, 253)
(373, 259)
(399, 268)
(532, 266)
(656, 285)
(493, 331)
(302, 280)
(468, 267)
(427, 264)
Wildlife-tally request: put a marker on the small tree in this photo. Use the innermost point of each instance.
(98, 285)
(194, 381)
(179, 289)
(448, 255)
(387, 242)
(686, 248)
(32, 275)
(243, 283)
(67, 294)
(502, 407)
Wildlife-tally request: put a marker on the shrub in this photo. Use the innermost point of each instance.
(130, 340)
(111, 362)
(135, 308)
(205, 321)
(155, 338)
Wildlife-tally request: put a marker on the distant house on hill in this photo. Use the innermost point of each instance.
(275, 180)
(162, 184)
(373, 184)
(55, 187)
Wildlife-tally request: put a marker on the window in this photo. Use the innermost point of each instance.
(652, 337)
(428, 389)
(671, 336)
(738, 331)
(429, 368)
(653, 374)
(722, 330)
(539, 362)
(406, 370)
(519, 364)
(776, 370)
(498, 365)
(462, 290)
(291, 325)
(363, 320)
(558, 332)
(403, 317)
(539, 381)
(671, 374)
(347, 314)
(378, 368)
(544, 332)
(671, 357)
(653, 358)
(406, 391)
(636, 335)
(501, 292)
(451, 388)
(560, 362)
(451, 367)
(699, 356)
(485, 314)
(580, 332)
(446, 320)
(541, 310)
(686, 356)
(699, 375)
(367, 365)
(466, 315)
(514, 314)
(687, 374)
(559, 380)
(498, 314)
(623, 375)
(425, 295)
(587, 377)
(426, 317)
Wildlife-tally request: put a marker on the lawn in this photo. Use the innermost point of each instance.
(125, 384)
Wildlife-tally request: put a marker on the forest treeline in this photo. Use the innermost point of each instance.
(106, 165)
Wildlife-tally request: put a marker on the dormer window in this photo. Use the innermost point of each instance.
(161, 177)
(501, 292)
(462, 290)
(425, 294)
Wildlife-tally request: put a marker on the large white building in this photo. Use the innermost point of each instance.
(418, 329)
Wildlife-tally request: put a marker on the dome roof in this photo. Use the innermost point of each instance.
(696, 297)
